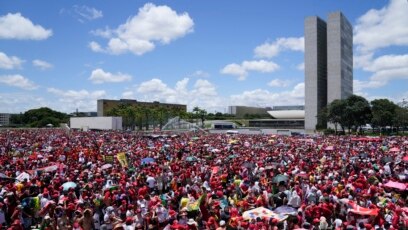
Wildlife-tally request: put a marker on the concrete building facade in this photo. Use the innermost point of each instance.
(328, 64)
(339, 57)
(5, 119)
(241, 111)
(315, 69)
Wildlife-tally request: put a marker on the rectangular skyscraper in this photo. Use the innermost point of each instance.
(315, 70)
(339, 57)
(328, 64)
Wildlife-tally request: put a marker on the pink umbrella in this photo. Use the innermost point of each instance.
(397, 185)
(329, 148)
(395, 149)
(405, 159)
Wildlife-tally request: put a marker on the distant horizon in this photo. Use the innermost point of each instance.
(67, 55)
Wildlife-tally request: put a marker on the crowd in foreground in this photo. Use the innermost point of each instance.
(53, 179)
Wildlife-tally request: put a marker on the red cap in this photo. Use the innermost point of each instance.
(129, 220)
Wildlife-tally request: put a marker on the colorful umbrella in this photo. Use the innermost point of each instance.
(67, 185)
(397, 185)
(191, 159)
(262, 213)
(286, 210)
(106, 166)
(147, 160)
(280, 178)
(23, 176)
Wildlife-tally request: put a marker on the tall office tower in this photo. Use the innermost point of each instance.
(328, 64)
(315, 70)
(339, 57)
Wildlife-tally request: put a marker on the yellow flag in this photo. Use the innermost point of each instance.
(122, 159)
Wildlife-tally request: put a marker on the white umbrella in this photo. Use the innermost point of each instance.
(23, 176)
(106, 166)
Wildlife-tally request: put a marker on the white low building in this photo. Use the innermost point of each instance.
(97, 123)
(287, 114)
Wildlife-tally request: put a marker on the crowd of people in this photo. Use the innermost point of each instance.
(55, 179)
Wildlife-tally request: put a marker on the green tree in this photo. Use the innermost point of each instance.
(37, 117)
(202, 115)
(358, 112)
(401, 116)
(383, 112)
(322, 119)
(196, 111)
(335, 113)
(162, 116)
(16, 119)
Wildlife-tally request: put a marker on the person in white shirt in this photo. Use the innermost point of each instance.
(162, 213)
(142, 205)
(138, 218)
(96, 221)
(151, 182)
(294, 200)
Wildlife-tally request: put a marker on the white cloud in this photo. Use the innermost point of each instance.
(387, 62)
(242, 70)
(42, 64)
(20, 102)
(200, 74)
(86, 12)
(99, 76)
(95, 47)
(70, 100)
(301, 66)
(18, 81)
(202, 93)
(359, 86)
(362, 60)
(384, 69)
(15, 26)
(269, 50)
(104, 33)
(382, 28)
(235, 69)
(279, 83)
(11, 62)
(128, 95)
(154, 86)
(140, 33)
(204, 88)
(260, 97)
(375, 30)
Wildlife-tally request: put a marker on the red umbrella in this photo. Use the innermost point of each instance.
(405, 159)
(329, 148)
(303, 175)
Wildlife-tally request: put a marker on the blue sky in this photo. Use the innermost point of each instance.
(67, 54)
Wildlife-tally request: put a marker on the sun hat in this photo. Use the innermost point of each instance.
(191, 222)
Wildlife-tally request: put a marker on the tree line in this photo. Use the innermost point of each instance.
(134, 117)
(40, 117)
(142, 117)
(356, 112)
